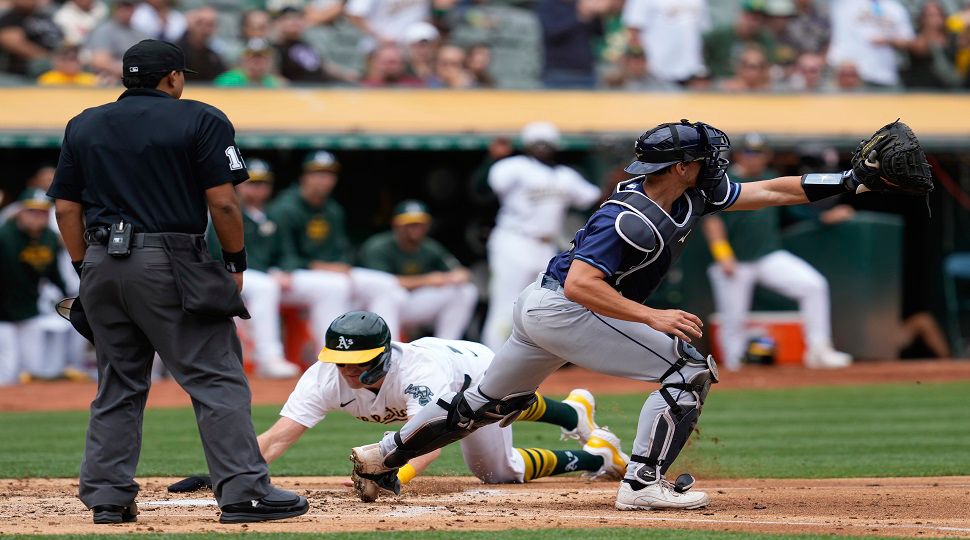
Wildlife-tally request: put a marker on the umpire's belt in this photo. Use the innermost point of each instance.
(551, 283)
(98, 236)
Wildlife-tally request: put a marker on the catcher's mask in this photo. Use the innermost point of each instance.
(72, 310)
(672, 143)
(359, 337)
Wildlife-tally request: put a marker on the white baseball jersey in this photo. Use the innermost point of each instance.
(420, 371)
(535, 196)
(856, 24)
(389, 18)
(670, 32)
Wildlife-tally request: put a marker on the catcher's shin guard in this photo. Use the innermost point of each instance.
(448, 420)
(673, 426)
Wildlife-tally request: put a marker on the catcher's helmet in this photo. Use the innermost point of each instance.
(359, 337)
(672, 143)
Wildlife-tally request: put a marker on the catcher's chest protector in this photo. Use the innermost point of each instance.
(655, 238)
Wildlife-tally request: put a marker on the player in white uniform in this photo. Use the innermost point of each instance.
(535, 194)
(362, 372)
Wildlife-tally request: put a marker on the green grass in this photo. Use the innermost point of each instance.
(878, 430)
(513, 534)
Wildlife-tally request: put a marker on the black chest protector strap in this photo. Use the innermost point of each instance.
(642, 224)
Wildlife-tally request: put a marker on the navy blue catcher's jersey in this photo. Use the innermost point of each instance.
(635, 262)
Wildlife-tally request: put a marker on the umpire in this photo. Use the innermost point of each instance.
(133, 183)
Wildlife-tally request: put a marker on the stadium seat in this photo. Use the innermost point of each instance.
(956, 267)
(338, 42)
(514, 36)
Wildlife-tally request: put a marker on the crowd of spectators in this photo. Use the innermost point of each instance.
(637, 45)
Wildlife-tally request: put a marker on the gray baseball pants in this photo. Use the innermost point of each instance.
(548, 331)
(134, 310)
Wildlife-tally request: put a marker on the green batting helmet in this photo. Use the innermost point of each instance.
(359, 337)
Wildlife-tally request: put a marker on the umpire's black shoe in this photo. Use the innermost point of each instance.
(110, 513)
(278, 504)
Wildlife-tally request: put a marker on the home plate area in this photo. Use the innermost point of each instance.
(926, 507)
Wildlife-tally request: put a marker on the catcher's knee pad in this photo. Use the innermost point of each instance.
(506, 410)
(456, 422)
(694, 373)
(502, 410)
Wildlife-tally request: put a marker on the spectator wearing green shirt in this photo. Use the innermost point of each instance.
(747, 251)
(315, 248)
(28, 255)
(439, 289)
(255, 68)
(266, 285)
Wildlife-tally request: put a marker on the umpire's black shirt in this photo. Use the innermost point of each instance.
(147, 159)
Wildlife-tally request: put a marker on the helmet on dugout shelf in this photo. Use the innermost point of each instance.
(359, 337)
(761, 351)
(672, 143)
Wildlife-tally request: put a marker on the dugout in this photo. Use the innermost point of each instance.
(433, 145)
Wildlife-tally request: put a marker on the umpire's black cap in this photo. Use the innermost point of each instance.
(153, 56)
(72, 310)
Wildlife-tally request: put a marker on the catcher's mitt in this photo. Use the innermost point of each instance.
(893, 160)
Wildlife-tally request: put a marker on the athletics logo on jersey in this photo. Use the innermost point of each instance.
(317, 229)
(422, 393)
(344, 343)
(38, 256)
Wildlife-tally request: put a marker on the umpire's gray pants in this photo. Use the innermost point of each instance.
(134, 309)
(549, 330)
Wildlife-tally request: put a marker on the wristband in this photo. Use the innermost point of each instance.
(77, 267)
(406, 473)
(234, 262)
(721, 250)
(820, 186)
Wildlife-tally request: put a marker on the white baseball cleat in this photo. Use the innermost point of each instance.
(367, 490)
(658, 496)
(369, 469)
(606, 444)
(823, 356)
(277, 368)
(585, 405)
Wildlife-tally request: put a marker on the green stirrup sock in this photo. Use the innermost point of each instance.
(550, 411)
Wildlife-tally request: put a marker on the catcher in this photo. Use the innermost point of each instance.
(362, 372)
(589, 308)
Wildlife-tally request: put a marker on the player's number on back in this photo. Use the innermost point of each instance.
(235, 161)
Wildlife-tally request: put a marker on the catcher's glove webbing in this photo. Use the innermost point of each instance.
(893, 160)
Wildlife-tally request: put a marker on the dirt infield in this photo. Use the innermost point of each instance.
(63, 395)
(914, 507)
